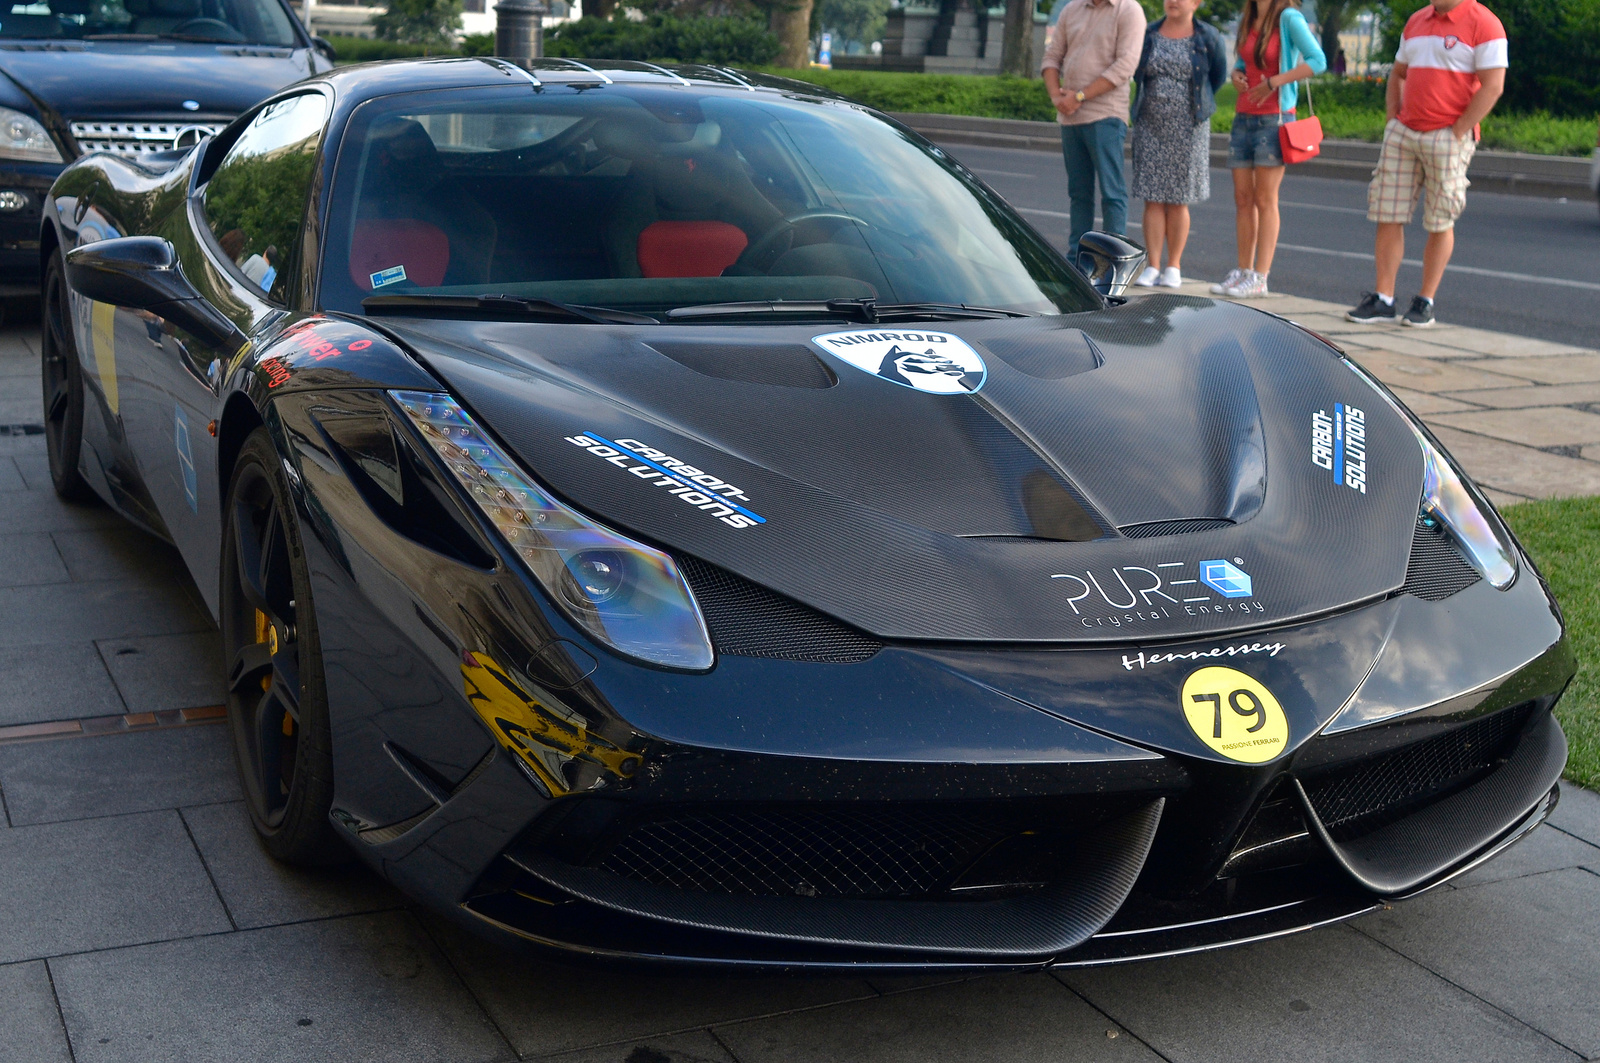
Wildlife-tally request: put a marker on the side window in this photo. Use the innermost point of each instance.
(257, 198)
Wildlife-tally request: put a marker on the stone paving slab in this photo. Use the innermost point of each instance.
(1554, 426)
(1333, 995)
(105, 775)
(1544, 850)
(70, 612)
(158, 672)
(1578, 813)
(11, 476)
(26, 560)
(258, 891)
(533, 1002)
(59, 682)
(100, 884)
(701, 1046)
(30, 1025)
(1526, 945)
(370, 987)
(1029, 1018)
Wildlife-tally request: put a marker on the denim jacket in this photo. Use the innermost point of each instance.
(1208, 72)
(1298, 45)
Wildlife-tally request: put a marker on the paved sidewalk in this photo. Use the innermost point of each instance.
(142, 923)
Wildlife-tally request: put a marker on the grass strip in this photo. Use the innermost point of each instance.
(1562, 535)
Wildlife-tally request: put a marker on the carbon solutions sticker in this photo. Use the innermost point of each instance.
(1234, 715)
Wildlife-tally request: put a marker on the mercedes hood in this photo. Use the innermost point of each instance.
(1160, 470)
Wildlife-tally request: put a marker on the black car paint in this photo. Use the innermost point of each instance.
(58, 82)
(432, 800)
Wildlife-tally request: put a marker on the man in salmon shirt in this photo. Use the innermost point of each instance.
(1448, 73)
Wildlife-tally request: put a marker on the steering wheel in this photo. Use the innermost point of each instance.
(209, 27)
(767, 245)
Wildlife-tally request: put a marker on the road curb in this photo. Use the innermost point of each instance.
(1547, 176)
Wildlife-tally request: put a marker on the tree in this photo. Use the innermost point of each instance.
(790, 22)
(1333, 15)
(1016, 53)
(427, 22)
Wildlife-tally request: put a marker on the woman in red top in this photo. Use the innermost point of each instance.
(1276, 49)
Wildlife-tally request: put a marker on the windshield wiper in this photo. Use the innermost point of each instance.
(505, 307)
(869, 311)
(186, 37)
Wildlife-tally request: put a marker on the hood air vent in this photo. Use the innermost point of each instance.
(783, 365)
(1156, 529)
(747, 620)
(1052, 355)
(1436, 569)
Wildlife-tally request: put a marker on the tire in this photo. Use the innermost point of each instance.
(277, 701)
(61, 378)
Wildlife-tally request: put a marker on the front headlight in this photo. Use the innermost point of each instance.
(22, 137)
(1446, 500)
(626, 595)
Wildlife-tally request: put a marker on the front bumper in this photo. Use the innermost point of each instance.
(900, 807)
(20, 220)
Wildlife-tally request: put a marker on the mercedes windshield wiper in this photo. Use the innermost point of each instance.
(869, 311)
(191, 38)
(504, 307)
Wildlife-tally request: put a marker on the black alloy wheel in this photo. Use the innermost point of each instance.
(62, 378)
(277, 705)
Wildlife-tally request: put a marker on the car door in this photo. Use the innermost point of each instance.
(238, 243)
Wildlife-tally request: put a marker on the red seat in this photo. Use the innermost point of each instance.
(383, 243)
(689, 248)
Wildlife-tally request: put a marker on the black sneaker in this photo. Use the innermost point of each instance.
(1421, 313)
(1371, 310)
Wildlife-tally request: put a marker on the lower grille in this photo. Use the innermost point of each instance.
(841, 852)
(1173, 527)
(747, 620)
(133, 137)
(1359, 799)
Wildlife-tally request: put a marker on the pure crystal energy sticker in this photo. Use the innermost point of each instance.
(392, 275)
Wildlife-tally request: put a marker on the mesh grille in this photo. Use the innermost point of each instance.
(1436, 569)
(1173, 527)
(1359, 799)
(806, 852)
(133, 137)
(747, 620)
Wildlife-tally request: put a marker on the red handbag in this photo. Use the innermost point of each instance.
(1301, 139)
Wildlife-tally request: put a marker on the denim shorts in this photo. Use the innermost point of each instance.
(1254, 140)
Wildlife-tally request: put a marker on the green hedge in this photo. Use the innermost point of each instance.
(727, 41)
(986, 97)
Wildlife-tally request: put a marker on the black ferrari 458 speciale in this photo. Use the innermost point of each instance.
(679, 515)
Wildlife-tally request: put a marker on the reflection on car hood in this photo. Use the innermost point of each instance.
(128, 79)
(1254, 478)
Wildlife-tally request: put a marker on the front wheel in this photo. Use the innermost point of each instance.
(277, 703)
(61, 375)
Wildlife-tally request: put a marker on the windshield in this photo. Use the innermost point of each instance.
(653, 199)
(223, 21)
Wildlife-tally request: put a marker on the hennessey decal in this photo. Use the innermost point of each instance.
(1271, 649)
(694, 486)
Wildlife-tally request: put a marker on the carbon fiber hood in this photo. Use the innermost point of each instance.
(1164, 469)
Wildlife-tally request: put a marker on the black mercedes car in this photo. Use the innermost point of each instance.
(129, 77)
(676, 515)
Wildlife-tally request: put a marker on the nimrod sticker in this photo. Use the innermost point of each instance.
(688, 484)
(936, 362)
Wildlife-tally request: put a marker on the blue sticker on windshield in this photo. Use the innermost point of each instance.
(392, 275)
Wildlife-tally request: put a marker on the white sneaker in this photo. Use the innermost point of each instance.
(1148, 278)
(1171, 277)
(1252, 285)
(1233, 277)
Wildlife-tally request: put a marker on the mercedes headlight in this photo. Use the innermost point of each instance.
(1447, 501)
(22, 137)
(627, 595)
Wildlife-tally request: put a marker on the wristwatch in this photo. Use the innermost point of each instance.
(1079, 96)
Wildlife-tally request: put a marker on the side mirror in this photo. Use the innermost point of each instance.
(1110, 262)
(141, 273)
(325, 48)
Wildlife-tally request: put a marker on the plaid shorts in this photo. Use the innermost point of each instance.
(1436, 162)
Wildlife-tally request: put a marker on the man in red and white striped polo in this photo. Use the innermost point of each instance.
(1448, 73)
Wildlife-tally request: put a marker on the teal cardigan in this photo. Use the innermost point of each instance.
(1299, 45)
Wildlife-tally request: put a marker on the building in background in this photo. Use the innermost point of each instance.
(345, 18)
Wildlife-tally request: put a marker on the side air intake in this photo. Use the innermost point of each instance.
(747, 620)
(1436, 569)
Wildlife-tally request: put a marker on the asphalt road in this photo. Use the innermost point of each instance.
(1522, 265)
